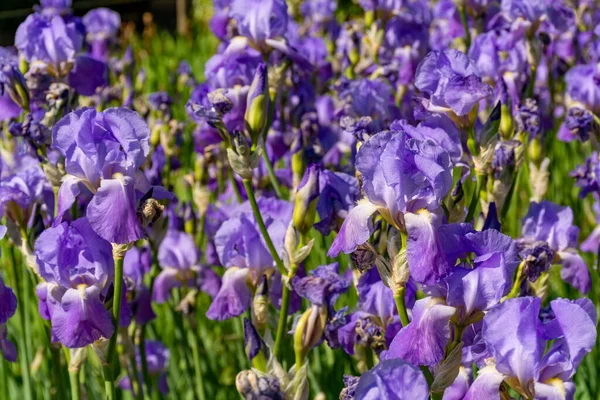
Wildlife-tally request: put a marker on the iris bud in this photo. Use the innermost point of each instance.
(257, 110)
(307, 194)
(12, 82)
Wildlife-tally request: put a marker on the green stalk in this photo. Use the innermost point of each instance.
(111, 359)
(400, 304)
(23, 359)
(75, 387)
(516, 289)
(138, 389)
(283, 315)
(197, 367)
(262, 227)
(271, 172)
(475, 199)
(4, 377)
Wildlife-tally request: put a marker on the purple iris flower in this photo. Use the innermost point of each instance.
(102, 28)
(583, 85)
(390, 6)
(516, 338)
(553, 224)
(8, 307)
(231, 67)
(8, 72)
(423, 340)
(338, 192)
(179, 258)
(587, 175)
(393, 380)
(401, 175)
(452, 82)
(375, 321)
(438, 128)
(259, 20)
(50, 40)
(88, 75)
(55, 7)
(242, 250)
(103, 152)
(24, 190)
(136, 265)
(369, 98)
(157, 357)
(78, 268)
(322, 288)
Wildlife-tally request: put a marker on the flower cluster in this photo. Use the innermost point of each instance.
(379, 197)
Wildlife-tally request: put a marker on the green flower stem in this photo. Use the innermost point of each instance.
(138, 389)
(75, 387)
(475, 199)
(283, 313)
(514, 292)
(465, 24)
(271, 172)
(262, 227)
(197, 366)
(400, 304)
(111, 359)
(24, 301)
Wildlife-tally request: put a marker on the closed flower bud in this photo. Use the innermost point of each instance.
(307, 195)
(257, 104)
(12, 82)
(256, 350)
(309, 329)
(260, 303)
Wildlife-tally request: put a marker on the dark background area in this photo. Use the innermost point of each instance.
(13, 12)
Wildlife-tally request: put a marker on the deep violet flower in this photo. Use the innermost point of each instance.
(58, 7)
(78, 268)
(103, 153)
